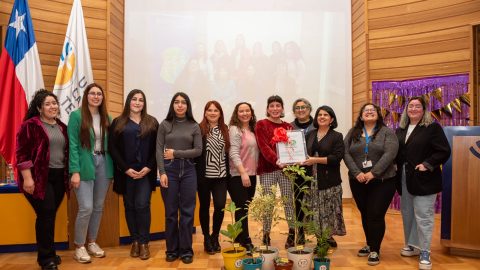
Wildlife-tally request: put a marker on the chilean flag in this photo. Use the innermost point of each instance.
(20, 76)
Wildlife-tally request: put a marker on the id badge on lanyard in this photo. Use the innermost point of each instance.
(366, 164)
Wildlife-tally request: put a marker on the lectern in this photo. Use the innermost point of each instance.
(461, 192)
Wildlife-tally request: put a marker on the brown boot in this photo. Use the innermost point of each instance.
(144, 252)
(135, 250)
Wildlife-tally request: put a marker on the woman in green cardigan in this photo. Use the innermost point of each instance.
(91, 167)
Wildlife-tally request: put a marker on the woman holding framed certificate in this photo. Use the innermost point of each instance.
(269, 167)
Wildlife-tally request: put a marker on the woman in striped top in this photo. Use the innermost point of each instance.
(212, 171)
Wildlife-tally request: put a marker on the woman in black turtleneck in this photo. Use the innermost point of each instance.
(303, 121)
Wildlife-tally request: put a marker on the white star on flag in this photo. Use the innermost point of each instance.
(18, 23)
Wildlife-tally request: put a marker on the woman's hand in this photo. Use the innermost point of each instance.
(361, 177)
(28, 185)
(168, 154)
(245, 179)
(281, 165)
(164, 180)
(132, 173)
(309, 161)
(143, 172)
(421, 167)
(368, 177)
(75, 180)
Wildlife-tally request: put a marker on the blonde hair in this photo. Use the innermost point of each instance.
(426, 119)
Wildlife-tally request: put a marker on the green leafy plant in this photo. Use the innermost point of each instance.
(233, 229)
(293, 172)
(264, 205)
(322, 236)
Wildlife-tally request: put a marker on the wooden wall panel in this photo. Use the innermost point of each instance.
(102, 17)
(359, 55)
(411, 38)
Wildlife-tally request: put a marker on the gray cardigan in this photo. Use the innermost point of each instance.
(381, 151)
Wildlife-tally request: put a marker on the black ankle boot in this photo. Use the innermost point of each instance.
(332, 242)
(215, 244)
(290, 239)
(266, 239)
(207, 245)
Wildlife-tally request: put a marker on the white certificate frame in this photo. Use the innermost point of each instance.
(295, 150)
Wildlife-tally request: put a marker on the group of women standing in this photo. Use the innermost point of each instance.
(212, 158)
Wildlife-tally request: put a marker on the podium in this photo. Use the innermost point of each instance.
(461, 192)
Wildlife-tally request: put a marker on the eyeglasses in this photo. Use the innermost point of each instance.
(415, 107)
(299, 108)
(98, 94)
(369, 110)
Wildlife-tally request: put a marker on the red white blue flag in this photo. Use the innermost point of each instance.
(20, 76)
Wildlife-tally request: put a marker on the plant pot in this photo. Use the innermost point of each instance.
(321, 263)
(252, 263)
(302, 259)
(268, 257)
(283, 266)
(232, 258)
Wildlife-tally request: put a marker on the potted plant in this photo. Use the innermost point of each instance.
(300, 255)
(283, 264)
(259, 208)
(321, 250)
(232, 257)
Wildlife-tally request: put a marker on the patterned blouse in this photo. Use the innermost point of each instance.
(215, 163)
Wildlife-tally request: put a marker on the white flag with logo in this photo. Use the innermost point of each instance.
(74, 70)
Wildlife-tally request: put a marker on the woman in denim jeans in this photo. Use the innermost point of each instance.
(423, 149)
(179, 141)
(132, 145)
(91, 168)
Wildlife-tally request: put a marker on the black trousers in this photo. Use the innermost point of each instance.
(46, 211)
(241, 195)
(372, 200)
(207, 188)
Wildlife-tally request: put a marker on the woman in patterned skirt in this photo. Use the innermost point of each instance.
(212, 171)
(326, 149)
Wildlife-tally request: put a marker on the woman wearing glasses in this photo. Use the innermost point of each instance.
(423, 149)
(370, 149)
(91, 168)
(302, 109)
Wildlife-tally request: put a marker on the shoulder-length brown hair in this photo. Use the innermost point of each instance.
(86, 124)
(205, 127)
(147, 122)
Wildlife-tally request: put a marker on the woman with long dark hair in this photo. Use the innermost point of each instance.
(132, 139)
(179, 141)
(91, 168)
(42, 164)
(212, 173)
(423, 149)
(370, 149)
(243, 165)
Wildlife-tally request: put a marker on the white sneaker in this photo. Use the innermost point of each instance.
(95, 250)
(81, 255)
(409, 251)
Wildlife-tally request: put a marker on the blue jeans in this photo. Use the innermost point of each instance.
(179, 200)
(418, 217)
(137, 208)
(90, 198)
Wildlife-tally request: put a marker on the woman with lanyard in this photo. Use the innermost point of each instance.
(370, 149)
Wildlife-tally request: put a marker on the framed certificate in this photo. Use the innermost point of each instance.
(293, 151)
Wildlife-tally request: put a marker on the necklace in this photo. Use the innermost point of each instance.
(321, 135)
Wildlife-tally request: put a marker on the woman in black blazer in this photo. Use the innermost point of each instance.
(423, 148)
(132, 144)
(325, 149)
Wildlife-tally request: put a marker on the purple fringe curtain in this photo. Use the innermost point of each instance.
(451, 87)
